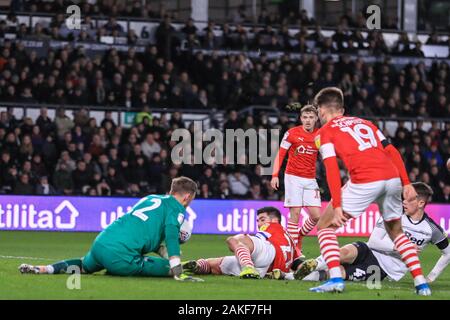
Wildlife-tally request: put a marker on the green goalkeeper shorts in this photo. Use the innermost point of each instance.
(120, 264)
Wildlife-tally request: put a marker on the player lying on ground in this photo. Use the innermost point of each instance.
(301, 188)
(359, 260)
(377, 174)
(271, 248)
(121, 247)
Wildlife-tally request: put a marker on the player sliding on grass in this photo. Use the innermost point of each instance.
(121, 247)
(358, 259)
(301, 188)
(271, 249)
(377, 174)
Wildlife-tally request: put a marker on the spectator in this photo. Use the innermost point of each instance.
(239, 183)
(23, 186)
(44, 188)
(63, 123)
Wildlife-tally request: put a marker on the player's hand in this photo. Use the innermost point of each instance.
(186, 278)
(275, 183)
(339, 218)
(162, 252)
(409, 193)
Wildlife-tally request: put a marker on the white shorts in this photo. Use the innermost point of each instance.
(356, 198)
(301, 192)
(262, 256)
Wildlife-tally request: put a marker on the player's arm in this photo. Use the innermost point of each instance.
(172, 230)
(443, 261)
(279, 158)
(380, 241)
(334, 183)
(408, 190)
(333, 175)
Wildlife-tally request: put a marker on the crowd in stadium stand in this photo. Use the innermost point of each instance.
(195, 80)
(80, 156)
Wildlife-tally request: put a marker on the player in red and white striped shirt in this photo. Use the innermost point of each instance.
(377, 174)
(301, 188)
(271, 249)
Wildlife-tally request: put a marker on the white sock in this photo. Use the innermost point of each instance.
(313, 276)
(335, 272)
(321, 263)
(50, 269)
(289, 276)
(419, 280)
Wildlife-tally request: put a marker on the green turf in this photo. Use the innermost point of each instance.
(49, 246)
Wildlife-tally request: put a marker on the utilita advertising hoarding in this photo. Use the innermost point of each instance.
(94, 214)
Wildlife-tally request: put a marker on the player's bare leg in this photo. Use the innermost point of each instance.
(242, 246)
(329, 249)
(308, 225)
(408, 253)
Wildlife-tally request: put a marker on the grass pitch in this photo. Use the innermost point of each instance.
(48, 247)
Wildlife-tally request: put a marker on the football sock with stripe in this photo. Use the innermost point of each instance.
(408, 253)
(292, 229)
(244, 256)
(329, 248)
(203, 267)
(306, 228)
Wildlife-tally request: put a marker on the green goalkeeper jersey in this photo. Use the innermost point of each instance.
(154, 219)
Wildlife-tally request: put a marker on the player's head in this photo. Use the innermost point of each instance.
(267, 214)
(308, 116)
(184, 190)
(329, 103)
(424, 193)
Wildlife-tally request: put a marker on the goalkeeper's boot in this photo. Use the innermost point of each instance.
(423, 289)
(190, 266)
(305, 268)
(28, 268)
(249, 272)
(332, 285)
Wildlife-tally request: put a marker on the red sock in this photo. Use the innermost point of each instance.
(203, 267)
(244, 256)
(408, 252)
(307, 226)
(329, 248)
(292, 229)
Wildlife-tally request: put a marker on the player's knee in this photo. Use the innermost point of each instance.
(232, 242)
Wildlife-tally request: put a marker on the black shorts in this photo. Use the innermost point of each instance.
(364, 265)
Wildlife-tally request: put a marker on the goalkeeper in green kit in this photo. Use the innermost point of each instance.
(121, 247)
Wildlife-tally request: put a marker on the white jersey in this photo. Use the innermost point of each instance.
(421, 233)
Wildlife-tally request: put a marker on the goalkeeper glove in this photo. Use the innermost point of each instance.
(185, 277)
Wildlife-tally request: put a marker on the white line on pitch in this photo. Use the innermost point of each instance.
(27, 258)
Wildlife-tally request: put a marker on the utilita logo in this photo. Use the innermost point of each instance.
(243, 220)
(27, 216)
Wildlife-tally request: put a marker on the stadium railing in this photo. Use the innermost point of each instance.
(121, 115)
(145, 29)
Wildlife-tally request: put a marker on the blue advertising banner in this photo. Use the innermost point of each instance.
(93, 214)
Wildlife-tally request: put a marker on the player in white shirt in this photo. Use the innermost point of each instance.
(360, 259)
